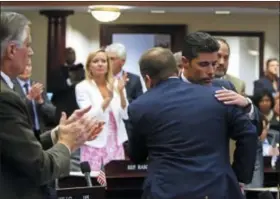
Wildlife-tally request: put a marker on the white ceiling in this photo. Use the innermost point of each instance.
(233, 10)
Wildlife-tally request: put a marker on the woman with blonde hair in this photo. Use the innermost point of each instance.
(107, 96)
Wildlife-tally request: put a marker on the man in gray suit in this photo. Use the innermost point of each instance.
(222, 68)
(28, 164)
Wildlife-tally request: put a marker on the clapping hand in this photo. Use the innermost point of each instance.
(35, 93)
(78, 128)
(122, 82)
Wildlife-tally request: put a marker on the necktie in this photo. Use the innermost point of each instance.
(34, 115)
(26, 88)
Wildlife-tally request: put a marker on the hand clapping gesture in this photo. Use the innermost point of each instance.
(35, 93)
(78, 128)
(122, 82)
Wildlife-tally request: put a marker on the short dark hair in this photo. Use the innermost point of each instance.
(199, 42)
(259, 95)
(270, 60)
(159, 63)
(224, 42)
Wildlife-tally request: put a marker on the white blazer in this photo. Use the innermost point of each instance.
(87, 93)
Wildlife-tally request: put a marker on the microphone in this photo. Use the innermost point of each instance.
(85, 168)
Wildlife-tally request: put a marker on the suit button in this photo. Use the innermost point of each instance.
(206, 197)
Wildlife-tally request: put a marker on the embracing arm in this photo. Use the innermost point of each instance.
(244, 132)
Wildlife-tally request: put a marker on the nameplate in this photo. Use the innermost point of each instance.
(125, 168)
(81, 193)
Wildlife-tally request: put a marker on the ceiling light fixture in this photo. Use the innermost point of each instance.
(158, 11)
(105, 14)
(222, 12)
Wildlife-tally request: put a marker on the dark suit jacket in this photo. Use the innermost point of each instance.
(46, 111)
(133, 87)
(223, 83)
(65, 101)
(264, 84)
(184, 131)
(25, 166)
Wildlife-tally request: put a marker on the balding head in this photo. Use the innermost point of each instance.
(157, 64)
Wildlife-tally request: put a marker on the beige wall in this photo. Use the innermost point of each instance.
(83, 31)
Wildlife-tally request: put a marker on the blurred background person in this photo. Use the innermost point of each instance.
(39, 106)
(178, 59)
(117, 55)
(222, 67)
(271, 80)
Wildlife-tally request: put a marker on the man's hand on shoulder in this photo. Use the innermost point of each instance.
(230, 97)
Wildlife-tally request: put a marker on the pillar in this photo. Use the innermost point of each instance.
(55, 44)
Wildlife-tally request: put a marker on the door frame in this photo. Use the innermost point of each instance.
(177, 32)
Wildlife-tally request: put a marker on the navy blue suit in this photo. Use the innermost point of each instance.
(133, 87)
(264, 84)
(184, 131)
(223, 83)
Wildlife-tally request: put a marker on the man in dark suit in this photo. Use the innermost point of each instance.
(184, 131)
(117, 54)
(28, 164)
(201, 72)
(41, 109)
(271, 80)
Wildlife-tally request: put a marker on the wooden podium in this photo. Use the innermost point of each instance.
(271, 175)
(97, 192)
(124, 180)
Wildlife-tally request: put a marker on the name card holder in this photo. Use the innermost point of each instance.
(125, 168)
(82, 193)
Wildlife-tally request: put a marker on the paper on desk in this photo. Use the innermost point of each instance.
(271, 189)
(78, 173)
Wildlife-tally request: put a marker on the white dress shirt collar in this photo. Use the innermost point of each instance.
(184, 78)
(7, 79)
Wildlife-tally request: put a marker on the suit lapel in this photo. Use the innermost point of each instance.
(18, 88)
(3, 85)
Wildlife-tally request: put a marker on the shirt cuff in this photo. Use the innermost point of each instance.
(54, 137)
(68, 81)
(251, 112)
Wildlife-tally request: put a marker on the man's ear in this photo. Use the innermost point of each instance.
(11, 50)
(148, 81)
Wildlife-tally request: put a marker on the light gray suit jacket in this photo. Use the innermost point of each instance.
(26, 164)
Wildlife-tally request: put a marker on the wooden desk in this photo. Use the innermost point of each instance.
(252, 193)
(271, 176)
(81, 193)
(125, 180)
